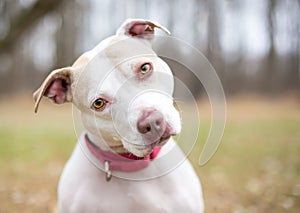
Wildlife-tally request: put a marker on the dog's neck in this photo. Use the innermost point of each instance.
(125, 162)
(155, 168)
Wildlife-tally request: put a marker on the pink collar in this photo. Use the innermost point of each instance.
(121, 162)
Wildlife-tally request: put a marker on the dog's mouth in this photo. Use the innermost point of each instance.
(165, 137)
(141, 150)
(160, 142)
(146, 149)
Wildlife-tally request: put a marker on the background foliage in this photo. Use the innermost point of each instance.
(254, 46)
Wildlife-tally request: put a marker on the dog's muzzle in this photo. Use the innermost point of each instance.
(152, 125)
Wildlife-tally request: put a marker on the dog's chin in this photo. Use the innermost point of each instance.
(142, 151)
(145, 150)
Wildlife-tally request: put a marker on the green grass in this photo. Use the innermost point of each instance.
(256, 168)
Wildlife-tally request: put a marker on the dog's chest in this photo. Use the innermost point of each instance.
(83, 189)
(160, 195)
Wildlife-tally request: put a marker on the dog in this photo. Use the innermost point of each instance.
(126, 159)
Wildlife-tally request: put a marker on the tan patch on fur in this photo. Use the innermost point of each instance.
(115, 145)
(123, 48)
(81, 61)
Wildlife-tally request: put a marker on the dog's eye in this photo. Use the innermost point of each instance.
(145, 68)
(99, 104)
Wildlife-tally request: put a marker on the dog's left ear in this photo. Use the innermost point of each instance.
(57, 87)
(140, 28)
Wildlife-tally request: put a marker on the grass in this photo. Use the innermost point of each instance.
(256, 168)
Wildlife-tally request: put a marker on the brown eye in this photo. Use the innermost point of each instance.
(99, 104)
(145, 68)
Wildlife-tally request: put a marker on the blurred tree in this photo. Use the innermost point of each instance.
(24, 38)
(67, 35)
(213, 51)
(38, 35)
(281, 72)
(268, 80)
(25, 19)
(292, 81)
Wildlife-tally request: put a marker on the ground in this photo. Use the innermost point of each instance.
(256, 168)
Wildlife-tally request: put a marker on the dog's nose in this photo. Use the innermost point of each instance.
(151, 123)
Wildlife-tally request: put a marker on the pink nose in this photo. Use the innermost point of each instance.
(151, 123)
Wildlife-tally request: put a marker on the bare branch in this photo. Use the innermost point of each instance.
(26, 19)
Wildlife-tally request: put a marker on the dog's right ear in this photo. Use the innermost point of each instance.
(140, 28)
(57, 87)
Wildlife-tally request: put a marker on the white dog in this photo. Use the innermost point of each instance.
(126, 159)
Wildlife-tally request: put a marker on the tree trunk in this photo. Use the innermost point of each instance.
(67, 35)
(25, 20)
(268, 83)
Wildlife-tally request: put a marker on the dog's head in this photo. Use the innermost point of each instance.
(122, 89)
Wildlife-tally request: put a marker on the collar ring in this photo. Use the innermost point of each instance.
(108, 173)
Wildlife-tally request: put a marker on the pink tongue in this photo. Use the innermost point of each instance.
(152, 156)
(155, 152)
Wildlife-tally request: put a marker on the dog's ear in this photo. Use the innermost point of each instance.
(140, 28)
(57, 87)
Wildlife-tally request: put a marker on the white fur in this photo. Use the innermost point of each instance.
(82, 188)
(169, 184)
